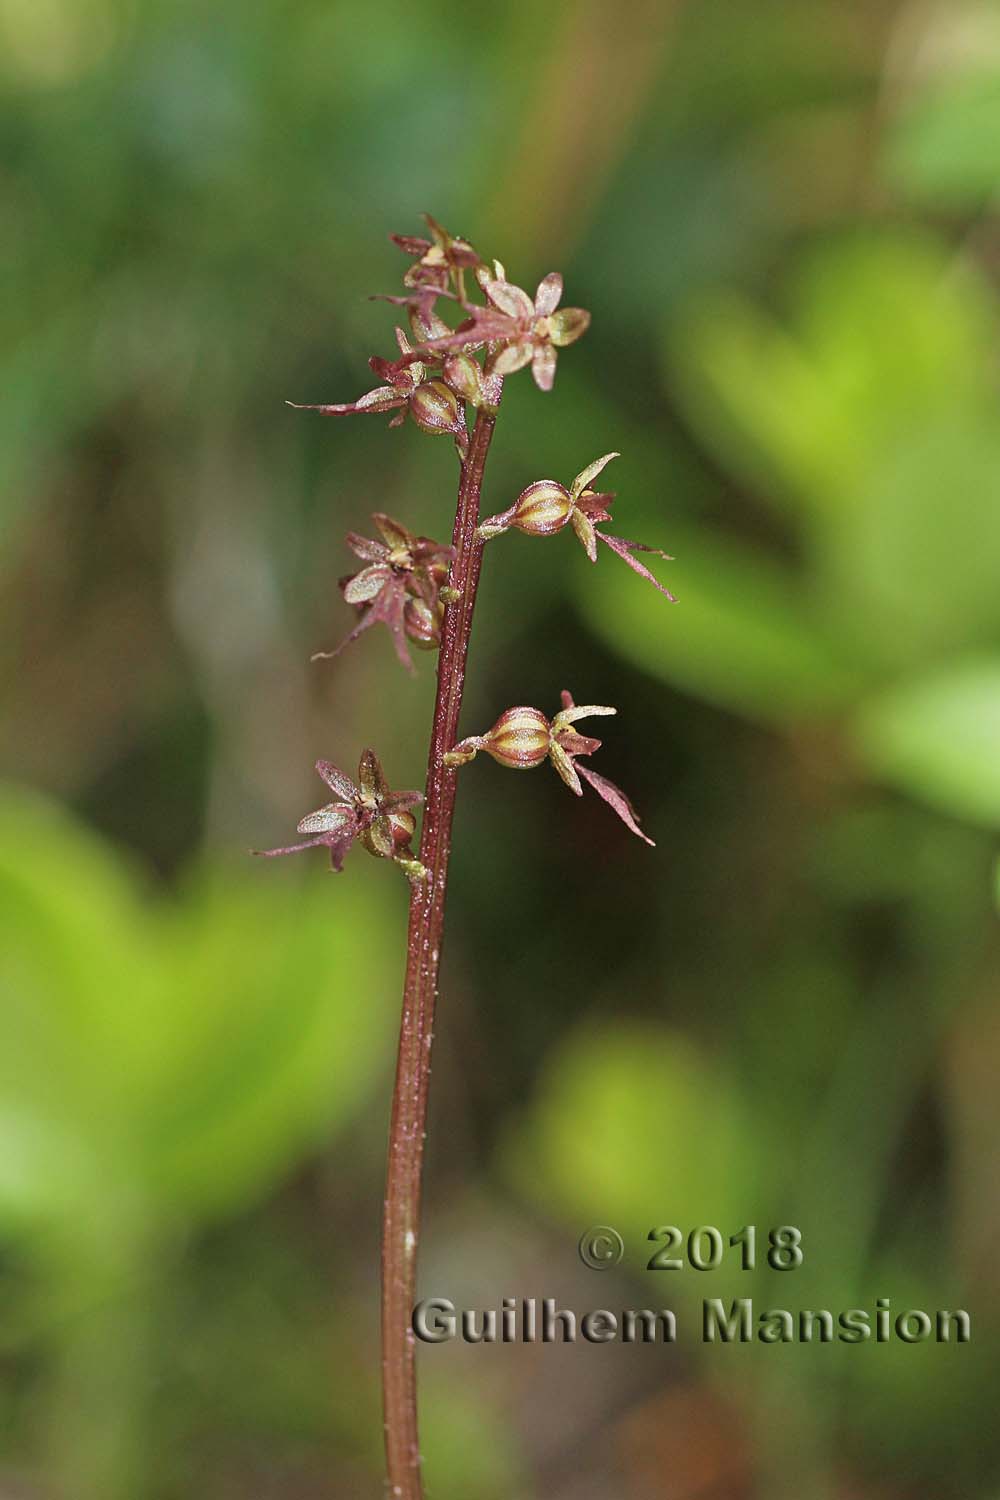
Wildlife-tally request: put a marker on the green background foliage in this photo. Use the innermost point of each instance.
(782, 217)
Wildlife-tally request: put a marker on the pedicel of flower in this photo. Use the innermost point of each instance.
(523, 738)
(367, 811)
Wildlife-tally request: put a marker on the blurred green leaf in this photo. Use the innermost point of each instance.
(941, 151)
(885, 330)
(913, 568)
(634, 1116)
(179, 1056)
(467, 1449)
(740, 636)
(288, 1010)
(938, 738)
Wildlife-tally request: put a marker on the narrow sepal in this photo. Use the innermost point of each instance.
(288, 849)
(565, 767)
(616, 799)
(583, 526)
(590, 473)
(624, 549)
(382, 399)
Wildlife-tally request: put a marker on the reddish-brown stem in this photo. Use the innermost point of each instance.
(401, 1220)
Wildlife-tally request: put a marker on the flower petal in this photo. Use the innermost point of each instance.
(548, 294)
(410, 244)
(363, 587)
(510, 299)
(578, 744)
(513, 357)
(403, 380)
(371, 777)
(596, 505)
(565, 767)
(568, 325)
(617, 799)
(585, 476)
(394, 533)
(396, 801)
(380, 839)
(337, 781)
(573, 711)
(364, 547)
(543, 367)
(335, 817)
(586, 535)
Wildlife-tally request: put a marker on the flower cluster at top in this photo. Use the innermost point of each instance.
(435, 376)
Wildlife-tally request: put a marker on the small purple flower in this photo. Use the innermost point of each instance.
(400, 587)
(369, 811)
(523, 738)
(535, 329)
(545, 507)
(515, 330)
(443, 256)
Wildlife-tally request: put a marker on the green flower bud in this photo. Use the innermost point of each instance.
(542, 509)
(465, 377)
(434, 408)
(403, 825)
(422, 624)
(519, 739)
